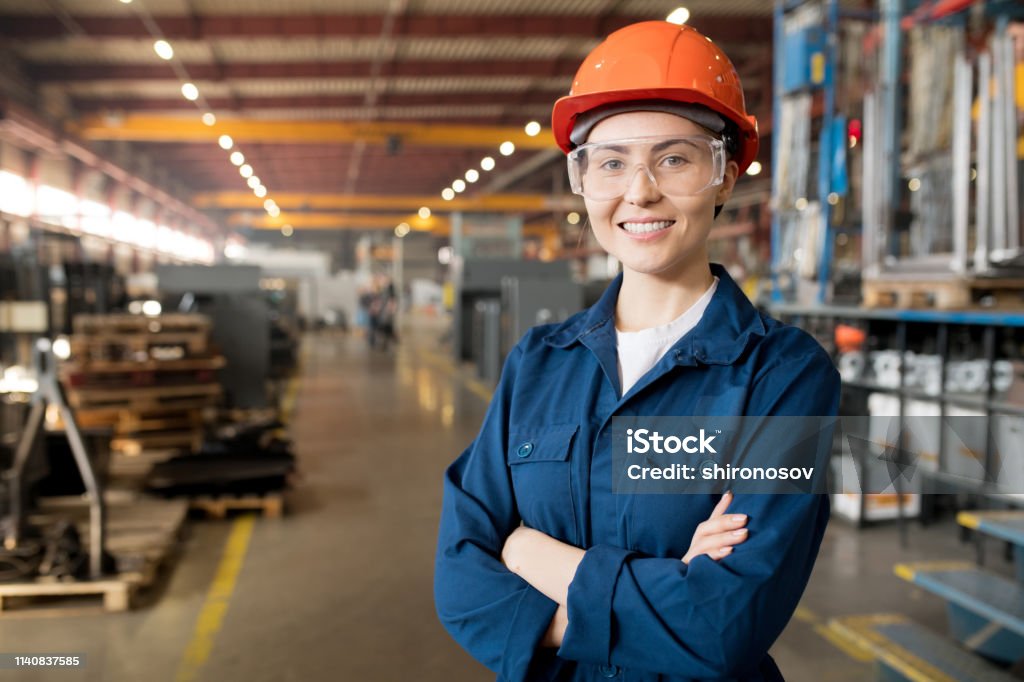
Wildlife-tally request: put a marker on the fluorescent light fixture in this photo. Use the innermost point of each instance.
(532, 128)
(487, 163)
(190, 92)
(472, 175)
(459, 186)
(754, 168)
(447, 194)
(507, 148)
(237, 158)
(424, 212)
(225, 142)
(209, 119)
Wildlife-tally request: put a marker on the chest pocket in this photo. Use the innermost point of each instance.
(540, 458)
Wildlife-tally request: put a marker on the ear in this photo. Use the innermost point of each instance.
(732, 171)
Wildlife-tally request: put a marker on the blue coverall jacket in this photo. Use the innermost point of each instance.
(636, 611)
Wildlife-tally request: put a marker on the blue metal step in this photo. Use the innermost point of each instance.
(907, 651)
(986, 611)
(1005, 524)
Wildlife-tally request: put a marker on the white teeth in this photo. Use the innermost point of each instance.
(641, 228)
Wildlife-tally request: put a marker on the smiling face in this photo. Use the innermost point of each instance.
(649, 232)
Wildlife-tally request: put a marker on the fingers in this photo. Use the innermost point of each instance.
(721, 524)
(722, 505)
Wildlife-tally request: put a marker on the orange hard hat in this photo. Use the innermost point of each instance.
(656, 60)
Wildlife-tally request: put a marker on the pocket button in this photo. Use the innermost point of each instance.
(525, 449)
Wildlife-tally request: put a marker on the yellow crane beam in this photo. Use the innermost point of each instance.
(507, 203)
(151, 128)
(349, 221)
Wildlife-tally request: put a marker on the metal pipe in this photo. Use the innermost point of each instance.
(983, 196)
(1007, 86)
(999, 150)
(869, 178)
(962, 88)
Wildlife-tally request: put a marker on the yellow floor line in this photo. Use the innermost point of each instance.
(852, 649)
(477, 388)
(805, 615)
(211, 616)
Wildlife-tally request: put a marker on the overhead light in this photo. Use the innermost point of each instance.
(209, 119)
(680, 15)
(269, 203)
(260, 191)
(424, 212)
(754, 168)
(287, 230)
(573, 218)
(126, 2)
(225, 142)
(402, 229)
(914, 184)
(163, 49)
(447, 194)
(254, 181)
(245, 171)
(273, 211)
(507, 148)
(151, 308)
(472, 175)
(190, 91)
(237, 158)
(62, 348)
(532, 128)
(459, 186)
(801, 204)
(487, 163)
(833, 199)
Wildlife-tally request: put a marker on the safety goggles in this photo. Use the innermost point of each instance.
(678, 165)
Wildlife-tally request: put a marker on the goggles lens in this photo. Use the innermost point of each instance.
(677, 165)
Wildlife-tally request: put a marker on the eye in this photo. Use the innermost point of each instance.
(612, 165)
(674, 161)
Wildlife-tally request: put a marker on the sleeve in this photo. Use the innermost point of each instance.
(494, 614)
(710, 619)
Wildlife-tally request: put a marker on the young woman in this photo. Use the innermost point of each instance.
(542, 572)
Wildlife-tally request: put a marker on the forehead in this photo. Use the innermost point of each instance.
(642, 124)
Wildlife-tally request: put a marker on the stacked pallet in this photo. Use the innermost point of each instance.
(150, 378)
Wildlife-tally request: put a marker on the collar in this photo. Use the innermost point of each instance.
(727, 327)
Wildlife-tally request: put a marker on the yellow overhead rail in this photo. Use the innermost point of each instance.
(386, 202)
(143, 128)
(350, 221)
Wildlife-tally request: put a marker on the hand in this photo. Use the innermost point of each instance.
(717, 536)
(556, 630)
(509, 555)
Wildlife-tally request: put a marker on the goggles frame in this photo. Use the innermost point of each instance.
(576, 159)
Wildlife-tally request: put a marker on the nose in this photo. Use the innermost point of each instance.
(642, 188)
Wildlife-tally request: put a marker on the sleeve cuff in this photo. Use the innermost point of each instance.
(588, 638)
(529, 623)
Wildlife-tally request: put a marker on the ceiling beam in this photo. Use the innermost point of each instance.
(523, 203)
(333, 221)
(248, 26)
(90, 105)
(49, 72)
(176, 129)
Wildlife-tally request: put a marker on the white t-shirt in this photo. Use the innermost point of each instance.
(640, 351)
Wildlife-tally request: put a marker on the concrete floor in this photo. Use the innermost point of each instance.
(340, 589)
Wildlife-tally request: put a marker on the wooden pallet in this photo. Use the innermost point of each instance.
(172, 322)
(115, 593)
(136, 443)
(119, 416)
(141, 398)
(114, 346)
(217, 507)
(142, 536)
(946, 293)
